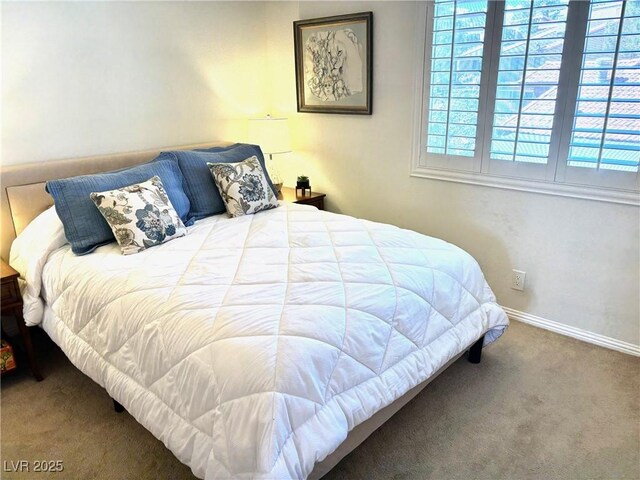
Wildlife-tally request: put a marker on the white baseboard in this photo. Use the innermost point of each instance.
(574, 332)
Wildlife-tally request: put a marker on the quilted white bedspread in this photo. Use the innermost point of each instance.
(253, 345)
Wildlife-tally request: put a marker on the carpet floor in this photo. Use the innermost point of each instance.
(539, 406)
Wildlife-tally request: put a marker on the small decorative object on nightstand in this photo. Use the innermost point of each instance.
(302, 185)
(312, 198)
(12, 305)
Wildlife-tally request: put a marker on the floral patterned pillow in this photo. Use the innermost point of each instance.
(243, 186)
(140, 215)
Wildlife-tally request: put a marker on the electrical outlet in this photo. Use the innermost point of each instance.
(518, 278)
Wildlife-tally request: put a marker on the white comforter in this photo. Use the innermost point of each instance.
(253, 345)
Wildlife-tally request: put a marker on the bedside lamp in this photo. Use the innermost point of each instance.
(272, 134)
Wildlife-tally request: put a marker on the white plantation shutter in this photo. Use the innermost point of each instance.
(511, 94)
(456, 84)
(527, 83)
(603, 135)
(606, 129)
(456, 65)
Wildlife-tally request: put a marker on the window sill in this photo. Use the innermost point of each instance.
(625, 197)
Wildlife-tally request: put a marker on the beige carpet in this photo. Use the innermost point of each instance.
(538, 406)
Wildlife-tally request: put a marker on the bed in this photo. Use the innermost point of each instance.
(265, 346)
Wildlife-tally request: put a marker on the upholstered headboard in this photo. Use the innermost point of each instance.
(24, 196)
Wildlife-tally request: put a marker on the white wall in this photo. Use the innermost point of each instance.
(83, 78)
(86, 78)
(581, 257)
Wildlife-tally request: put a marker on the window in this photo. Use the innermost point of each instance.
(538, 95)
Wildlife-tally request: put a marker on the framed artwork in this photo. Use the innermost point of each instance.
(334, 63)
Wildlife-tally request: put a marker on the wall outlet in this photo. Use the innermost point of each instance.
(518, 278)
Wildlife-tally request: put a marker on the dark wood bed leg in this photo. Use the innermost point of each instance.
(117, 407)
(475, 352)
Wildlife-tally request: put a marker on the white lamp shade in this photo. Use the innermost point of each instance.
(272, 134)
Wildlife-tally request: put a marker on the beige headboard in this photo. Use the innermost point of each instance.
(23, 194)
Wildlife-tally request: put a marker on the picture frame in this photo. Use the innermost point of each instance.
(334, 64)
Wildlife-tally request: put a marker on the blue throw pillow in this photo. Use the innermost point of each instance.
(203, 194)
(84, 226)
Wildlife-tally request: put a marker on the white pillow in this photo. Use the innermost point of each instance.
(140, 215)
(29, 253)
(243, 187)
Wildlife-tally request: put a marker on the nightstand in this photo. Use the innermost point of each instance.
(316, 199)
(12, 305)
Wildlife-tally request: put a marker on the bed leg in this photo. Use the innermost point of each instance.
(475, 352)
(117, 407)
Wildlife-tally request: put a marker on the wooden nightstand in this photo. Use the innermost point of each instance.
(12, 305)
(316, 199)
